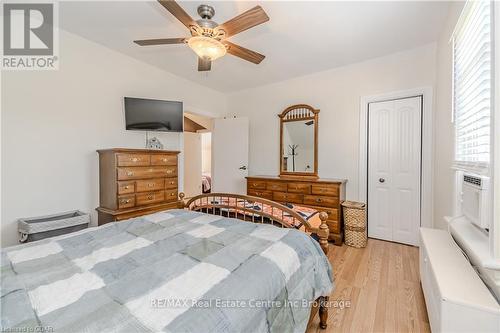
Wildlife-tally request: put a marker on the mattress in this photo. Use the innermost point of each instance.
(171, 271)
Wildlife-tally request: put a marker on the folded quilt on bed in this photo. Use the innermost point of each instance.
(174, 271)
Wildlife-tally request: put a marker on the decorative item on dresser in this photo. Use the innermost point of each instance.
(153, 143)
(135, 182)
(321, 194)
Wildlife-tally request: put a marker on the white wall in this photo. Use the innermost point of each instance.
(53, 121)
(337, 94)
(444, 132)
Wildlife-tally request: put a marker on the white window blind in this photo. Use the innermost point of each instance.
(472, 77)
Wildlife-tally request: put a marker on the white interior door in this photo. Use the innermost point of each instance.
(192, 164)
(230, 155)
(394, 164)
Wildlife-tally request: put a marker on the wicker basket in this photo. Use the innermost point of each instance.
(355, 223)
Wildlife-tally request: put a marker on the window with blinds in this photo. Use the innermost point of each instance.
(472, 78)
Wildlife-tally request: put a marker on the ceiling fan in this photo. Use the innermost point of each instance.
(209, 39)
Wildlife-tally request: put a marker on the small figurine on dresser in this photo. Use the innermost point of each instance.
(154, 143)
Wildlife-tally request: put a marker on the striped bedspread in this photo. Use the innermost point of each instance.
(174, 271)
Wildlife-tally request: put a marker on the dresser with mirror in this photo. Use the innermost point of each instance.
(298, 182)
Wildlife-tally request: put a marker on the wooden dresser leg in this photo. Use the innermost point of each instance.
(323, 312)
(336, 238)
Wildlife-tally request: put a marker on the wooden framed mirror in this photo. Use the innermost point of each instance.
(299, 141)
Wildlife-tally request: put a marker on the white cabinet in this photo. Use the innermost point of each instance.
(456, 298)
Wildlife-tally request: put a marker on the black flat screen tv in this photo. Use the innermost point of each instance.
(153, 115)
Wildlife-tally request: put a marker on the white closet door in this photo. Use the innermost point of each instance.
(394, 164)
(379, 170)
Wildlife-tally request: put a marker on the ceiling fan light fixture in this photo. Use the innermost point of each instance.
(206, 47)
(209, 39)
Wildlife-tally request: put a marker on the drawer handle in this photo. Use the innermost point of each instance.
(172, 194)
(255, 184)
(164, 159)
(257, 193)
(151, 197)
(125, 201)
(135, 159)
(151, 184)
(172, 183)
(319, 200)
(150, 170)
(130, 173)
(127, 187)
(169, 171)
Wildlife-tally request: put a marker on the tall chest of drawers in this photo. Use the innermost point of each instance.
(321, 194)
(135, 182)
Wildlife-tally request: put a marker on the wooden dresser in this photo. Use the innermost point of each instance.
(321, 194)
(135, 182)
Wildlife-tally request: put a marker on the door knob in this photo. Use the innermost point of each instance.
(382, 180)
(244, 167)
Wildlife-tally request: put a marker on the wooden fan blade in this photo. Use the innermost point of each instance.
(204, 65)
(242, 22)
(179, 13)
(160, 41)
(243, 53)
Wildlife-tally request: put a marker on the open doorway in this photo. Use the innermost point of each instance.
(197, 154)
(206, 162)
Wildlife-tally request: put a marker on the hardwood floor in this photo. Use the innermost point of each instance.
(381, 282)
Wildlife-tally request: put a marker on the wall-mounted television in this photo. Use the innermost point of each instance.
(153, 115)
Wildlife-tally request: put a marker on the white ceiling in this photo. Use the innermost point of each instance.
(300, 38)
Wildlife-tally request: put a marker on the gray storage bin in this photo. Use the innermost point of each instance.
(36, 228)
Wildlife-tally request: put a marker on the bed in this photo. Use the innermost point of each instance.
(177, 270)
(242, 208)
